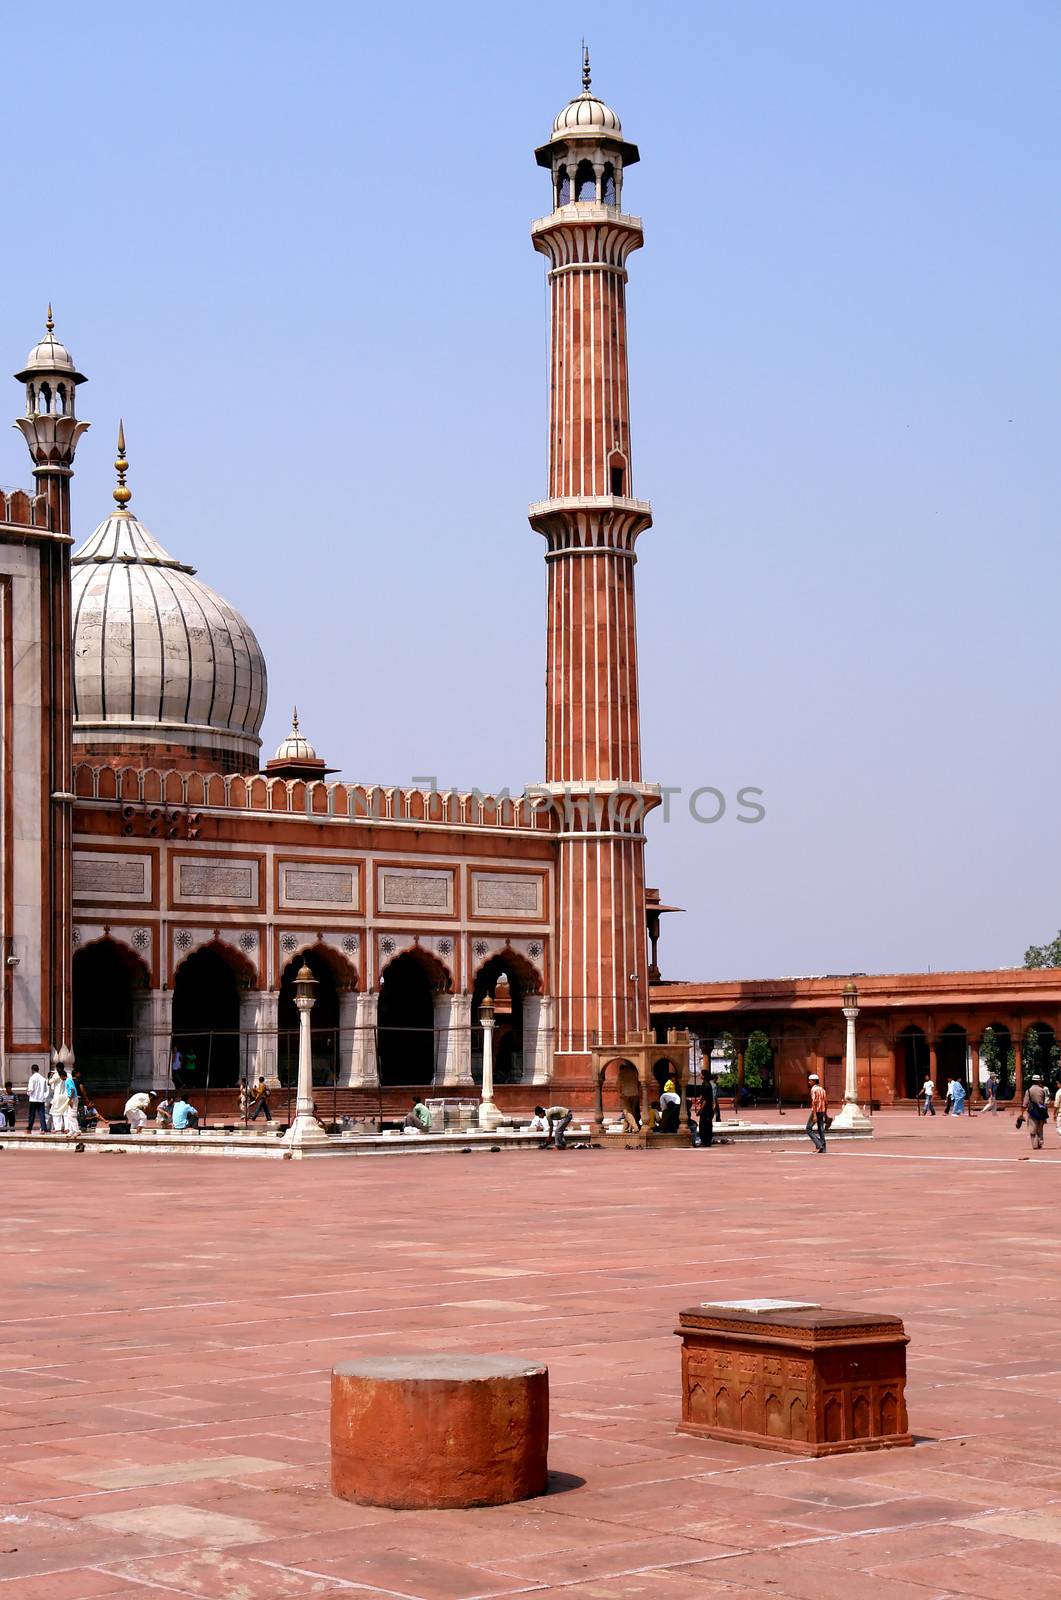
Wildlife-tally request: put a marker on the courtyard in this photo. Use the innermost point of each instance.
(169, 1328)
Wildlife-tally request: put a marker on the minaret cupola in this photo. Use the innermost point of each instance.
(50, 426)
(586, 151)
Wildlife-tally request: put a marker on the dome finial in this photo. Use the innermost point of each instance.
(294, 719)
(122, 494)
(585, 68)
(49, 321)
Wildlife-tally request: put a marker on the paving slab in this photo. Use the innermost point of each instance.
(164, 1408)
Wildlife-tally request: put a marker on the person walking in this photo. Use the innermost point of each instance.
(956, 1097)
(37, 1096)
(260, 1099)
(928, 1094)
(819, 1111)
(71, 1119)
(1035, 1110)
(990, 1089)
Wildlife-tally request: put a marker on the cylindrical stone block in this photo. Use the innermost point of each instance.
(439, 1431)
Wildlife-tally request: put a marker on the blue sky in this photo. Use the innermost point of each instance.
(290, 247)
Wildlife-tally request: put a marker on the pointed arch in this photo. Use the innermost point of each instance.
(107, 975)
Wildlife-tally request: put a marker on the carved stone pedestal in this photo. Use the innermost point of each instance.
(793, 1377)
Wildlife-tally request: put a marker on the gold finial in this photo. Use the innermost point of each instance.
(585, 68)
(122, 494)
(49, 321)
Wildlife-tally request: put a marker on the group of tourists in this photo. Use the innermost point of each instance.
(1035, 1108)
(54, 1104)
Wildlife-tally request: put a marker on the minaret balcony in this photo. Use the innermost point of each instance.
(588, 523)
(586, 211)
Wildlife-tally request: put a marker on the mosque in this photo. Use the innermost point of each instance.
(161, 884)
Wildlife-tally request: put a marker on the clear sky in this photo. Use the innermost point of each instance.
(290, 245)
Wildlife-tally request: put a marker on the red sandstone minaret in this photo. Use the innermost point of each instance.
(51, 430)
(591, 523)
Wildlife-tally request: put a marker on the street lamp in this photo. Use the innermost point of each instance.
(851, 1114)
(305, 1129)
(489, 1116)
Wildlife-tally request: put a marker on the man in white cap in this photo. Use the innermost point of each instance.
(819, 1110)
(136, 1109)
(1036, 1110)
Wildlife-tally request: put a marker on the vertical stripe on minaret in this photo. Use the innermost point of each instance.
(591, 523)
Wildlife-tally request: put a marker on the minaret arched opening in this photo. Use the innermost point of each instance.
(563, 186)
(608, 191)
(585, 181)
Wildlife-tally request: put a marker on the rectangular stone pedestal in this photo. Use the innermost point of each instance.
(793, 1377)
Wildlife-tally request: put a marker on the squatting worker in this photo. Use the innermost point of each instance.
(819, 1110)
(419, 1118)
(557, 1119)
(630, 1096)
(1036, 1110)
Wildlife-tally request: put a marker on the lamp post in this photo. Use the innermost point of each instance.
(851, 1114)
(305, 1129)
(489, 1116)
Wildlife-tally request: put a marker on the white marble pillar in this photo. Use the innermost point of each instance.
(258, 1036)
(489, 1116)
(851, 1115)
(453, 1035)
(538, 1038)
(358, 1014)
(305, 1129)
(153, 1024)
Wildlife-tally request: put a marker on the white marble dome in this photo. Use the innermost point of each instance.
(296, 747)
(159, 658)
(586, 114)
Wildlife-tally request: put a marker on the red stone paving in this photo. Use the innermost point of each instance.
(169, 1327)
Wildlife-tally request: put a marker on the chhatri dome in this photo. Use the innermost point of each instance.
(586, 113)
(296, 747)
(49, 356)
(163, 667)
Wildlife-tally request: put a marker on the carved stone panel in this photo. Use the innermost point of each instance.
(415, 889)
(318, 886)
(108, 877)
(215, 881)
(511, 894)
(808, 1381)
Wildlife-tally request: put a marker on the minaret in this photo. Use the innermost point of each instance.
(51, 431)
(591, 523)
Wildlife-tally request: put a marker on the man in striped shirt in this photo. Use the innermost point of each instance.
(819, 1110)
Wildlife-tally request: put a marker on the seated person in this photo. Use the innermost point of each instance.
(164, 1113)
(8, 1107)
(539, 1123)
(184, 1115)
(670, 1102)
(418, 1119)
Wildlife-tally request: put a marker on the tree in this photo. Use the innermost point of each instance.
(758, 1061)
(1044, 955)
(725, 1048)
(990, 1054)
